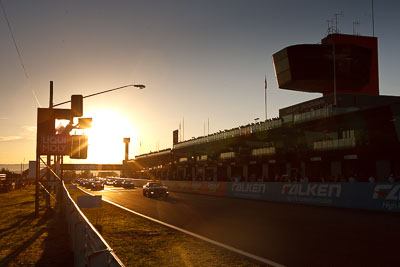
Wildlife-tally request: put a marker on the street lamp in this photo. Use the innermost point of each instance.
(139, 86)
(58, 146)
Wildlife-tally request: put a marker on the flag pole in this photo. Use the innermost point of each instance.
(373, 19)
(265, 96)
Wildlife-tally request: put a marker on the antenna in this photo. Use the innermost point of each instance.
(373, 19)
(356, 27)
(336, 29)
(329, 26)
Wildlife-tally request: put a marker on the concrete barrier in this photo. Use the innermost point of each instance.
(370, 196)
(208, 188)
(88, 246)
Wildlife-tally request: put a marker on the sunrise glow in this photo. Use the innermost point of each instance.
(109, 127)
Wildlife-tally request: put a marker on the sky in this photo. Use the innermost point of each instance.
(200, 61)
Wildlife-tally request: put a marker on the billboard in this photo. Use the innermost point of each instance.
(53, 145)
(371, 196)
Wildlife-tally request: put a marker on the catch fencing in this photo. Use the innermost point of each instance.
(88, 246)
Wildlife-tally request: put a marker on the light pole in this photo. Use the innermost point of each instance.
(140, 86)
(46, 119)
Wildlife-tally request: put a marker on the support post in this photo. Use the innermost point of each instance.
(334, 76)
(49, 156)
(37, 183)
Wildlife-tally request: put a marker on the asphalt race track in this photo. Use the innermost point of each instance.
(289, 234)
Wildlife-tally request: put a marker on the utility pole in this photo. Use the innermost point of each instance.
(37, 178)
(334, 74)
(49, 156)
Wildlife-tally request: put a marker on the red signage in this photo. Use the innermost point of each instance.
(53, 145)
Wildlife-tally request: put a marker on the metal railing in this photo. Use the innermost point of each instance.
(88, 246)
(335, 144)
(239, 131)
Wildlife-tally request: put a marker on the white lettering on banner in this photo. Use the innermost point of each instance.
(248, 188)
(196, 186)
(53, 148)
(53, 145)
(213, 187)
(170, 184)
(389, 205)
(54, 140)
(317, 190)
(387, 191)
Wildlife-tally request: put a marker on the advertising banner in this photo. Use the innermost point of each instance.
(89, 201)
(214, 188)
(53, 145)
(371, 196)
(208, 188)
(374, 196)
(178, 186)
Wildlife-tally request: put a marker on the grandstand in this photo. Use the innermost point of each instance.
(351, 131)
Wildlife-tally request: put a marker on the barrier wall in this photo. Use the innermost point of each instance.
(208, 188)
(88, 246)
(371, 196)
(139, 182)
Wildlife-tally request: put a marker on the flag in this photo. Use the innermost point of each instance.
(265, 82)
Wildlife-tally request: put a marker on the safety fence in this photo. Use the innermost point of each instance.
(88, 246)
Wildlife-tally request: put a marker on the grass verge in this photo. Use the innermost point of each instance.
(29, 240)
(141, 242)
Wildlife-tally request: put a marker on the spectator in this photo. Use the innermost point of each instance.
(391, 178)
(371, 179)
(352, 180)
(304, 179)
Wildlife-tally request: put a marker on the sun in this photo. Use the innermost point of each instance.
(105, 137)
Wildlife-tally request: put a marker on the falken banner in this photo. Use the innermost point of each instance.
(374, 196)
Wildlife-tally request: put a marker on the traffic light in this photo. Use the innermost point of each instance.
(79, 146)
(77, 105)
(45, 122)
(85, 123)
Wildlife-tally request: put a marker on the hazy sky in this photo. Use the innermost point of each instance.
(199, 60)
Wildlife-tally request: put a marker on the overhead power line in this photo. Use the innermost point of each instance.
(16, 48)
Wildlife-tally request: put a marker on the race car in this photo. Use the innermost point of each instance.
(155, 189)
